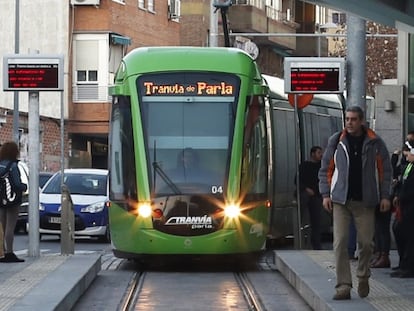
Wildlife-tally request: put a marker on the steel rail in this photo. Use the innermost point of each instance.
(251, 297)
(133, 291)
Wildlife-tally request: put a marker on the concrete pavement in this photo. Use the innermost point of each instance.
(48, 282)
(312, 274)
(56, 282)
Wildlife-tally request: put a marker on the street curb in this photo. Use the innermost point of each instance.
(314, 283)
(61, 289)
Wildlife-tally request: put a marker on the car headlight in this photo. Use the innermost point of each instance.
(41, 207)
(93, 208)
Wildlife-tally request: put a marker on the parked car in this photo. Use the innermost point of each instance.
(90, 196)
(23, 217)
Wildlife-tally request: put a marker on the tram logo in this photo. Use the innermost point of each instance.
(196, 222)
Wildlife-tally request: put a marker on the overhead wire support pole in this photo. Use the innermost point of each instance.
(223, 5)
(223, 12)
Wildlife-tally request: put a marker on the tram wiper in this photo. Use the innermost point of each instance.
(165, 178)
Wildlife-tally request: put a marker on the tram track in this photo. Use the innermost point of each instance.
(133, 291)
(250, 295)
(191, 285)
(239, 280)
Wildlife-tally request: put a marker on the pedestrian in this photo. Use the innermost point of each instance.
(398, 166)
(355, 178)
(310, 198)
(404, 201)
(9, 153)
(382, 239)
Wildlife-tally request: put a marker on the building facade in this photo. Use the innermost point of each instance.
(92, 36)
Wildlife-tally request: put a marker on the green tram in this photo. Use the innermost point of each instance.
(189, 153)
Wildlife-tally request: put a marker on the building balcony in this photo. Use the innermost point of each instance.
(252, 16)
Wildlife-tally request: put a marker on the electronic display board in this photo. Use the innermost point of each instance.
(188, 84)
(32, 73)
(314, 75)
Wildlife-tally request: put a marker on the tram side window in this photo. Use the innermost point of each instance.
(122, 166)
(254, 169)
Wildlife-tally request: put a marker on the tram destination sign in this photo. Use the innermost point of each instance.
(314, 75)
(33, 72)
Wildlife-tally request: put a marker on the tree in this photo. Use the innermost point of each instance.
(381, 59)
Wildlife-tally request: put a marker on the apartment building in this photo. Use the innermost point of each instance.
(92, 36)
(282, 20)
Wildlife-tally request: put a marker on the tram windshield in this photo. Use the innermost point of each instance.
(188, 127)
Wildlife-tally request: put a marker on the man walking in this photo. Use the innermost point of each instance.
(354, 179)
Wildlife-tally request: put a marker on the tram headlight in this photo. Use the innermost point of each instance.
(232, 210)
(144, 210)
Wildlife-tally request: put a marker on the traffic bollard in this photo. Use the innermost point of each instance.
(67, 227)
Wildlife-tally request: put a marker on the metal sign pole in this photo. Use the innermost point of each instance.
(34, 174)
(298, 222)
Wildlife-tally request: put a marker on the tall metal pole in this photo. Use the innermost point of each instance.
(34, 142)
(356, 63)
(225, 27)
(213, 34)
(62, 137)
(298, 218)
(16, 94)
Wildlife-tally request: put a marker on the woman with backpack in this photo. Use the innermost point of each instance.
(9, 204)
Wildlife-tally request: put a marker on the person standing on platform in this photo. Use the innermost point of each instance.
(404, 201)
(9, 153)
(354, 179)
(310, 198)
(398, 166)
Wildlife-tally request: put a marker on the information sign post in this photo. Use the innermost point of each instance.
(305, 76)
(33, 73)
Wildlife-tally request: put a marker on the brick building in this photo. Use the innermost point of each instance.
(93, 36)
(101, 35)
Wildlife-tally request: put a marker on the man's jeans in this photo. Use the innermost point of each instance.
(364, 218)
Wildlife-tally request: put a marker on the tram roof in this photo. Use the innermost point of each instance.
(215, 59)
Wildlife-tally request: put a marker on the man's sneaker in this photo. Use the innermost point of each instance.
(363, 288)
(342, 294)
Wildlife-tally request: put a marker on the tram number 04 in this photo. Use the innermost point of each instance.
(216, 189)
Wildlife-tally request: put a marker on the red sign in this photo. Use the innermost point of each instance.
(33, 76)
(302, 100)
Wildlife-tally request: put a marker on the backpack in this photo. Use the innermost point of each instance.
(8, 196)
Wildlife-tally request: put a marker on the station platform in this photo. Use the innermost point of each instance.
(56, 282)
(312, 274)
(48, 282)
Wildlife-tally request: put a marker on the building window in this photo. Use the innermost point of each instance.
(339, 18)
(87, 75)
(146, 4)
(87, 61)
(174, 9)
(151, 5)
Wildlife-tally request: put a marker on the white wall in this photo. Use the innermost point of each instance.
(44, 27)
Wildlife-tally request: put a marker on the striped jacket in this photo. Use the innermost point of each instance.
(376, 169)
